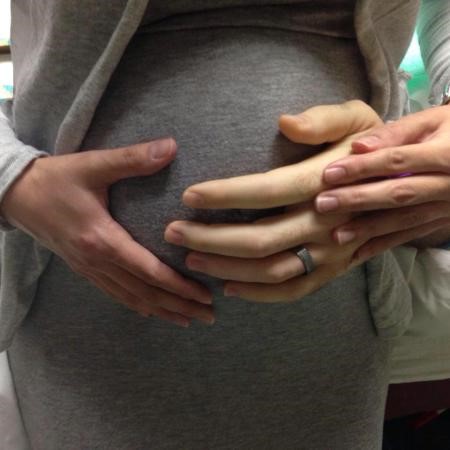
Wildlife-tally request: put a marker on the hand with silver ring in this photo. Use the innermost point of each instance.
(259, 260)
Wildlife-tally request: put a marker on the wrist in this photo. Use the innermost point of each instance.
(17, 193)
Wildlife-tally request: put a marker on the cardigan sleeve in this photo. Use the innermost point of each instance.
(15, 156)
(434, 38)
(423, 351)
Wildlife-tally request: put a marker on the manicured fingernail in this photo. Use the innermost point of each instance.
(193, 199)
(369, 141)
(334, 174)
(230, 292)
(162, 148)
(345, 236)
(173, 236)
(327, 203)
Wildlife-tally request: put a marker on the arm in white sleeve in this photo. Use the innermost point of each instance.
(434, 38)
(422, 353)
(14, 158)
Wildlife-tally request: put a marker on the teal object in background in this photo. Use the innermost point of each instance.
(413, 64)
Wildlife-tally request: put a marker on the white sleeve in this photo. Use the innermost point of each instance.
(423, 352)
(14, 158)
(434, 39)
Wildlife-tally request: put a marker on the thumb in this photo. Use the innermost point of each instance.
(105, 167)
(409, 129)
(328, 123)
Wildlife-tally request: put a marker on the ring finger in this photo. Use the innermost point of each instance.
(273, 269)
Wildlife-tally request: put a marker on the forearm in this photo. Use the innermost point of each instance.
(15, 156)
(434, 37)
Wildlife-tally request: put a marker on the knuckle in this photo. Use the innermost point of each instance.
(403, 194)
(131, 157)
(261, 245)
(358, 168)
(267, 188)
(396, 159)
(355, 199)
(355, 104)
(388, 132)
(276, 274)
(410, 219)
(301, 184)
(91, 246)
(155, 271)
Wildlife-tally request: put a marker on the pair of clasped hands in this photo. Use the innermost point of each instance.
(375, 187)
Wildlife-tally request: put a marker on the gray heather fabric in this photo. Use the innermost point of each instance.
(138, 385)
(91, 374)
(53, 109)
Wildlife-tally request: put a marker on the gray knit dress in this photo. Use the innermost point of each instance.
(311, 375)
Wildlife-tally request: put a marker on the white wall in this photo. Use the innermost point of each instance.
(5, 19)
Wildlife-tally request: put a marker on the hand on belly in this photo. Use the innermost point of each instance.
(62, 201)
(257, 258)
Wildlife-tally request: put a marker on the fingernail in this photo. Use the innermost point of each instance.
(182, 323)
(369, 141)
(230, 292)
(193, 199)
(327, 203)
(205, 297)
(334, 174)
(162, 148)
(345, 236)
(209, 320)
(204, 300)
(173, 236)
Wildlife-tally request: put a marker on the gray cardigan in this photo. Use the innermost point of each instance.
(63, 58)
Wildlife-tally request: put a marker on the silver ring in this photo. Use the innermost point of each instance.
(306, 258)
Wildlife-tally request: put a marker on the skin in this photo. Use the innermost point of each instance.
(72, 191)
(256, 259)
(417, 145)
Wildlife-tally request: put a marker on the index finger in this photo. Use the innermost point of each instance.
(283, 186)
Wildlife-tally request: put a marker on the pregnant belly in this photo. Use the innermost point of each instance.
(219, 93)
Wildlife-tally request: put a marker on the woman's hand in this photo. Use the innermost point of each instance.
(257, 258)
(62, 201)
(412, 155)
